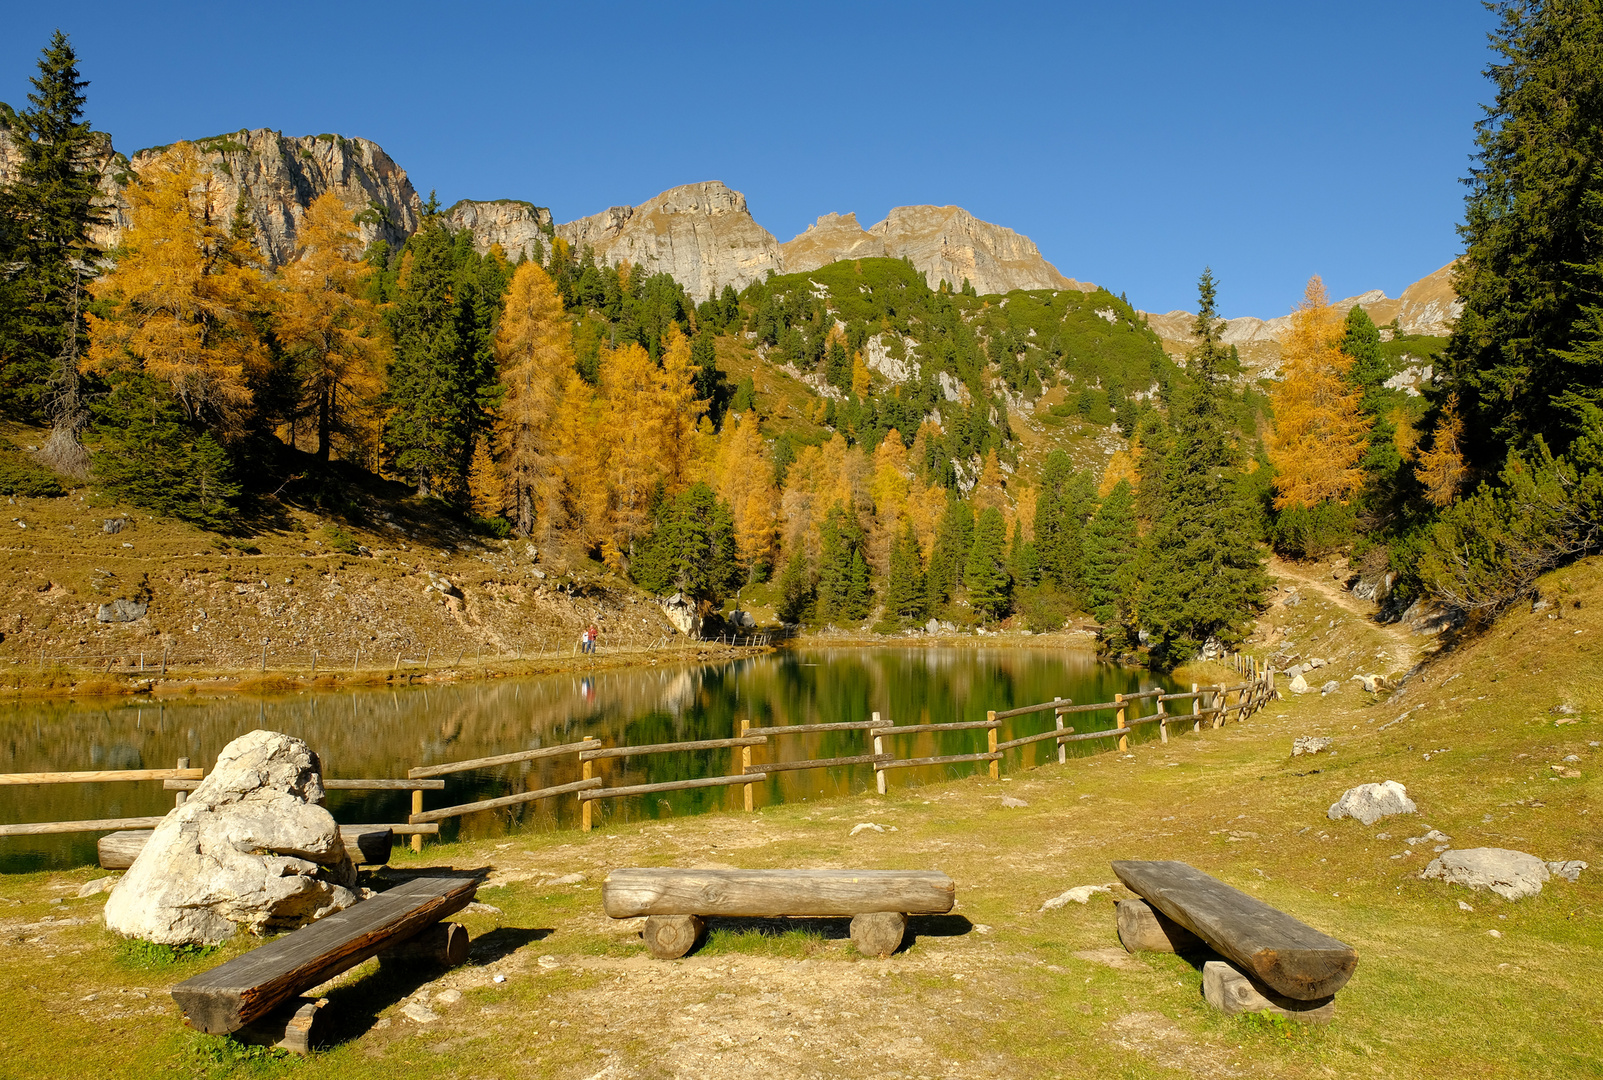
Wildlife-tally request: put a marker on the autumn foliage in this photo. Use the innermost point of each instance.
(1320, 430)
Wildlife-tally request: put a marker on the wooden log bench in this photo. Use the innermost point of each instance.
(1276, 961)
(677, 903)
(368, 845)
(250, 987)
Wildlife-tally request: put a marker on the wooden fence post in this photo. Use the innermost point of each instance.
(1196, 708)
(1124, 740)
(178, 800)
(417, 808)
(314, 661)
(745, 763)
(879, 748)
(1057, 718)
(163, 660)
(584, 807)
(990, 745)
(264, 655)
(1218, 703)
(1163, 721)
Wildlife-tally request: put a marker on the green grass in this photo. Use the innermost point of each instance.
(1434, 996)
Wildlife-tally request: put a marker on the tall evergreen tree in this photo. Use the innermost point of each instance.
(954, 534)
(795, 588)
(985, 573)
(1112, 562)
(843, 585)
(905, 597)
(46, 217)
(1531, 277)
(442, 385)
(1062, 506)
(692, 548)
(1204, 573)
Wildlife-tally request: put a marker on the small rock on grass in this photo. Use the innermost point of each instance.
(1371, 802)
(1080, 894)
(1011, 802)
(1310, 744)
(419, 1013)
(448, 997)
(866, 826)
(97, 886)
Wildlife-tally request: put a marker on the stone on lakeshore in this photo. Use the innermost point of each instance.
(1513, 875)
(1329, 688)
(1371, 802)
(1298, 685)
(1568, 869)
(252, 846)
(106, 884)
(1310, 744)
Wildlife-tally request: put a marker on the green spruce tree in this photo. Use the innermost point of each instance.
(1062, 506)
(985, 574)
(954, 533)
(795, 589)
(1112, 564)
(46, 255)
(843, 585)
(1204, 573)
(906, 598)
(1526, 354)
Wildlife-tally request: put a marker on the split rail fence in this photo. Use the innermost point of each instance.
(1213, 705)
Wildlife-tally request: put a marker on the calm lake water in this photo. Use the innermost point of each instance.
(383, 733)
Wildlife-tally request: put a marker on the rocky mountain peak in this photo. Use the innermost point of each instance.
(946, 242)
(515, 225)
(701, 233)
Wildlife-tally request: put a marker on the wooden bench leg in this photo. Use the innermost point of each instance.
(671, 936)
(288, 1027)
(878, 933)
(1228, 990)
(1144, 929)
(444, 943)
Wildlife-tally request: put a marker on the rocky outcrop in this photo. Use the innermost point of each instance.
(702, 234)
(946, 242)
(516, 226)
(278, 176)
(252, 847)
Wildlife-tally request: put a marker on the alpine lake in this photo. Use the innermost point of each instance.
(382, 733)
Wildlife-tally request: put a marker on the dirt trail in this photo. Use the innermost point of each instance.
(1407, 647)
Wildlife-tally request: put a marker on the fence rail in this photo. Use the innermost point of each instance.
(1210, 703)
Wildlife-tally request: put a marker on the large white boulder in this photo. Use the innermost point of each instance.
(252, 847)
(1513, 875)
(1371, 802)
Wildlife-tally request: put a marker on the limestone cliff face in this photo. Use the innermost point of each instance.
(515, 225)
(279, 177)
(702, 234)
(946, 242)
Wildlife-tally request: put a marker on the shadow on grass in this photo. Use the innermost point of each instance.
(801, 936)
(504, 941)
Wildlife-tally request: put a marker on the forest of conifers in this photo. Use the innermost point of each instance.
(591, 406)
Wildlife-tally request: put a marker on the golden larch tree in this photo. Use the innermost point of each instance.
(534, 349)
(744, 474)
(1441, 468)
(179, 298)
(678, 408)
(1320, 429)
(632, 429)
(329, 330)
(581, 463)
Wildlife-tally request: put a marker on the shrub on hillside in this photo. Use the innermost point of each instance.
(1312, 532)
(1487, 551)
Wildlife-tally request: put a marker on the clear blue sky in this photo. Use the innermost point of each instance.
(1134, 142)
